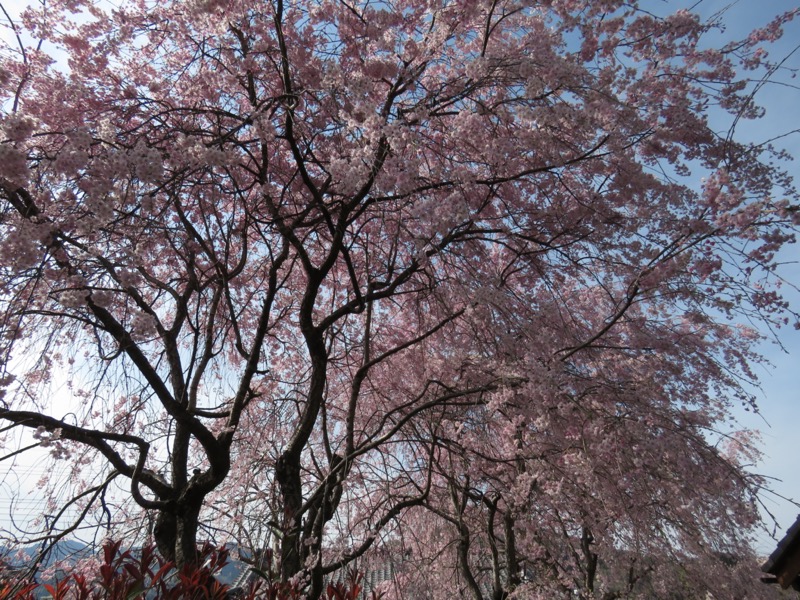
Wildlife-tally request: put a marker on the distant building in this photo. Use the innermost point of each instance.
(784, 563)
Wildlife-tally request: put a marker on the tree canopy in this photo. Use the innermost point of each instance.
(473, 284)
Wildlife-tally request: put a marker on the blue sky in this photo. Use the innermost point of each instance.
(779, 396)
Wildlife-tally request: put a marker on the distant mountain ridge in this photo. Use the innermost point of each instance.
(70, 552)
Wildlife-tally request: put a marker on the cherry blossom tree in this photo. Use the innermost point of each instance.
(305, 270)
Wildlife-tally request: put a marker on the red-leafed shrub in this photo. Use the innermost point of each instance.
(126, 575)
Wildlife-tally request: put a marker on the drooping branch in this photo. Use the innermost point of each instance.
(100, 440)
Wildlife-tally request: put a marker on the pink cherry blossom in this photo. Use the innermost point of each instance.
(435, 282)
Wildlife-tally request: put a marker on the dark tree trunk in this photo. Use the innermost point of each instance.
(165, 533)
(175, 532)
(287, 474)
(186, 534)
(512, 564)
